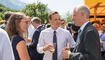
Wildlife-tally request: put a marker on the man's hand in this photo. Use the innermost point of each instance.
(101, 43)
(66, 53)
(48, 47)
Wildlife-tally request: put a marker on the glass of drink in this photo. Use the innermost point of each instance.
(29, 40)
(53, 49)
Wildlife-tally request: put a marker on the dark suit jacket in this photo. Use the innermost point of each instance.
(32, 48)
(89, 46)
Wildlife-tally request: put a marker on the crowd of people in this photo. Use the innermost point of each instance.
(23, 38)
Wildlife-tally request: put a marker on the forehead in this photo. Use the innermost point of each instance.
(56, 15)
(26, 19)
(74, 12)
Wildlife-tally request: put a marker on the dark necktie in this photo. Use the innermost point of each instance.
(55, 41)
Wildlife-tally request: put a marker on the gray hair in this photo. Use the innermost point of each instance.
(84, 9)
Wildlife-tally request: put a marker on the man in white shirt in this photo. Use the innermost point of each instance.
(31, 30)
(6, 52)
(63, 24)
(46, 38)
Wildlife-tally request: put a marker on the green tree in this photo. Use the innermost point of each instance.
(2, 15)
(37, 10)
(68, 17)
(4, 9)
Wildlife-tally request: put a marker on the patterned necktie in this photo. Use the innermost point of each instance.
(77, 41)
(55, 41)
(78, 37)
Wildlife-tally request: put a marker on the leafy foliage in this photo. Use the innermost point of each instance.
(3, 9)
(68, 17)
(37, 10)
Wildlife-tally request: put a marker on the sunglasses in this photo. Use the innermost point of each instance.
(62, 23)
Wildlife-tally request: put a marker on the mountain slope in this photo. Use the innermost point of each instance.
(13, 4)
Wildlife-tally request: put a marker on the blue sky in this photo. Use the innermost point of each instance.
(62, 6)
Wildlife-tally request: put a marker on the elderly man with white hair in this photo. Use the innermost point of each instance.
(88, 42)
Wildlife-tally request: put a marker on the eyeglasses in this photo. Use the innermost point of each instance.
(27, 22)
(57, 19)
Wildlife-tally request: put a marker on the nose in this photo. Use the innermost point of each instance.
(73, 18)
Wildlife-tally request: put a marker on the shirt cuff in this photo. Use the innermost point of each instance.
(40, 50)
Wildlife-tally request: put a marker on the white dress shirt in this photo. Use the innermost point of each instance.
(83, 26)
(46, 37)
(31, 31)
(6, 52)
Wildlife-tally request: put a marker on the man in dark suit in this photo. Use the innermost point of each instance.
(88, 43)
(32, 48)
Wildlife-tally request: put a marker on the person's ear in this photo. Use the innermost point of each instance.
(49, 20)
(83, 14)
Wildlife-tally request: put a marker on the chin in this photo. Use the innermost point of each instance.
(24, 30)
(76, 25)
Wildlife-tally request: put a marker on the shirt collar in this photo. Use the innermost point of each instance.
(83, 26)
(55, 30)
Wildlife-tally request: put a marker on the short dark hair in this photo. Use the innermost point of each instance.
(36, 20)
(7, 15)
(48, 25)
(69, 24)
(52, 13)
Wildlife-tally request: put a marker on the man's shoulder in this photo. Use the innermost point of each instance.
(46, 30)
(40, 28)
(91, 28)
(63, 30)
(3, 35)
(2, 32)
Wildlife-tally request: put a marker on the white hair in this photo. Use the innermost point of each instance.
(84, 9)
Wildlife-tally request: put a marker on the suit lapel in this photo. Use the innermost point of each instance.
(80, 38)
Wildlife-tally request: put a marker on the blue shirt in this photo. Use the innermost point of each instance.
(102, 37)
